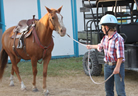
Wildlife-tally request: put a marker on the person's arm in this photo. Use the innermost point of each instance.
(118, 64)
(92, 46)
(99, 46)
(120, 55)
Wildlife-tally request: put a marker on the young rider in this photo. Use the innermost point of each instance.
(113, 45)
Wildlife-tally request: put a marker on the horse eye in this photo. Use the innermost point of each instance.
(53, 18)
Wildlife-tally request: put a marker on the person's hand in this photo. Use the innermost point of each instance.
(88, 47)
(116, 70)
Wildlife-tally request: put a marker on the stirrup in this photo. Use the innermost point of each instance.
(20, 45)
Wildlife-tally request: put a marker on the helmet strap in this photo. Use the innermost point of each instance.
(107, 30)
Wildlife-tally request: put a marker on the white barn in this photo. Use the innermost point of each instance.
(12, 11)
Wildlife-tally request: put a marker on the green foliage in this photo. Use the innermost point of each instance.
(56, 67)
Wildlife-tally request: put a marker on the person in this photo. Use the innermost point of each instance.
(113, 45)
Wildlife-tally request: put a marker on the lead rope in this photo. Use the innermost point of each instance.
(90, 73)
(90, 63)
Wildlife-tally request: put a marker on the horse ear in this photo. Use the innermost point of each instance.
(49, 11)
(59, 9)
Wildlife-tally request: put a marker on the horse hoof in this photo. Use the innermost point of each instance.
(11, 83)
(23, 89)
(46, 93)
(34, 89)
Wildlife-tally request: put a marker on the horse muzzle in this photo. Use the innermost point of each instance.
(62, 31)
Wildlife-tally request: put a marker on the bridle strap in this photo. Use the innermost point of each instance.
(52, 21)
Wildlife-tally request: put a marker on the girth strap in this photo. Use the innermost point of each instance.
(14, 46)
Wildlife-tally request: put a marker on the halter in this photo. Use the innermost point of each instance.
(52, 21)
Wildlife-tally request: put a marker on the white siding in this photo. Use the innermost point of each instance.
(63, 45)
(16, 10)
(82, 49)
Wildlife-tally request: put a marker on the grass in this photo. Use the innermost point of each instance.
(56, 67)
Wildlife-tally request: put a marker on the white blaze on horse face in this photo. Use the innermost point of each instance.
(60, 19)
(62, 29)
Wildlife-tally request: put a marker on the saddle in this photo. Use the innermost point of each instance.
(22, 31)
(23, 27)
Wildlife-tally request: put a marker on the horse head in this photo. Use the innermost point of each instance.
(56, 21)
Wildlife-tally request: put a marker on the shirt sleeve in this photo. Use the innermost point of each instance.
(120, 48)
(100, 45)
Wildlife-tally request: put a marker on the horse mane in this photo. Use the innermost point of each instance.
(42, 23)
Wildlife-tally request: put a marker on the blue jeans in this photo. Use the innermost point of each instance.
(109, 85)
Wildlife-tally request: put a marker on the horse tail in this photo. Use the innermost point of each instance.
(3, 62)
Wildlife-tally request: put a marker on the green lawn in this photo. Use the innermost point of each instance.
(56, 67)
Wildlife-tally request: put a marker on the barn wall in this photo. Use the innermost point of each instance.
(63, 45)
(80, 20)
(16, 10)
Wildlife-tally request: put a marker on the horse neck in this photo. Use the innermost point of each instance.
(43, 30)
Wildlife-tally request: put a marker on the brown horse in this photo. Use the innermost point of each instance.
(34, 50)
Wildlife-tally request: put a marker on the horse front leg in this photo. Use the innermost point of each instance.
(34, 68)
(45, 67)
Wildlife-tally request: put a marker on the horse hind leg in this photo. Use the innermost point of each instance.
(11, 78)
(14, 61)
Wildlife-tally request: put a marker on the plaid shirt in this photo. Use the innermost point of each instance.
(113, 47)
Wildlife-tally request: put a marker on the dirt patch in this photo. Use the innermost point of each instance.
(79, 85)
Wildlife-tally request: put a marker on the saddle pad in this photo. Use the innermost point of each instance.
(19, 34)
